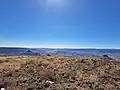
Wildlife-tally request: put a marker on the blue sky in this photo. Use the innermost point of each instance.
(60, 23)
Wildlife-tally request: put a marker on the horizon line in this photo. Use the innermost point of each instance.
(57, 47)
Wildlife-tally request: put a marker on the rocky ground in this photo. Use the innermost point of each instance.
(58, 73)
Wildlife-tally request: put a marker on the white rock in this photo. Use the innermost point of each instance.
(49, 82)
(2, 88)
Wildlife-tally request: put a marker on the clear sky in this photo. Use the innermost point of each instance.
(60, 23)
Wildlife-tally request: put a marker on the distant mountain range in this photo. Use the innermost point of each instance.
(94, 53)
(17, 51)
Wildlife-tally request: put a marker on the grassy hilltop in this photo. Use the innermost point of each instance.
(32, 72)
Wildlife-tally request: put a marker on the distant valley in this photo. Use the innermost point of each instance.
(94, 53)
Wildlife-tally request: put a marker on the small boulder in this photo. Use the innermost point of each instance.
(106, 57)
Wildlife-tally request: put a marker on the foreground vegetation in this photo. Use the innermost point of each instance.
(33, 72)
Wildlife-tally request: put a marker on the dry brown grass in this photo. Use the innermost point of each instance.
(31, 73)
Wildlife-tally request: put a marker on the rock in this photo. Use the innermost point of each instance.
(2, 86)
(49, 82)
(106, 57)
(2, 89)
(48, 55)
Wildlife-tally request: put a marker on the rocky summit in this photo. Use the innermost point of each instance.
(58, 73)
